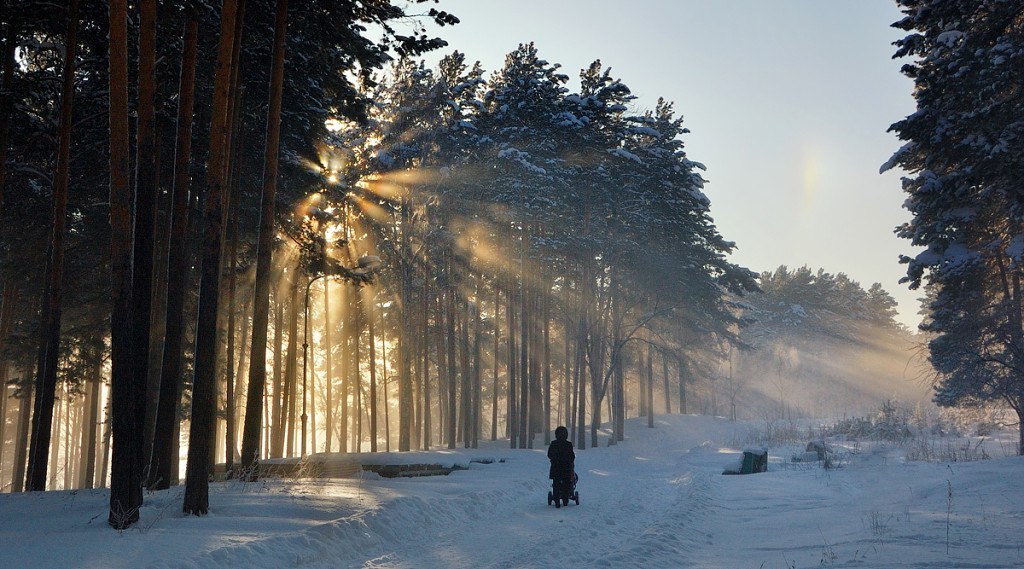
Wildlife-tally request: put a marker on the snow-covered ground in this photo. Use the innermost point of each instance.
(657, 500)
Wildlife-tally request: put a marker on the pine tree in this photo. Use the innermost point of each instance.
(963, 149)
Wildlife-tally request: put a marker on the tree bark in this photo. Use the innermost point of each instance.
(494, 367)
(650, 386)
(547, 365)
(373, 376)
(477, 414)
(93, 425)
(618, 372)
(54, 447)
(580, 396)
(346, 360)
(384, 361)
(425, 354)
(525, 409)
(512, 414)
(197, 485)
(356, 320)
(21, 443)
(328, 370)
(163, 463)
(144, 226)
(6, 315)
(49, 346)
(405, 402)
(291, 365)
(465, 377)
(240, 371)
(261, 294)
(682, 385)
(277, 431)
(664, 374)
(229, 373)
(451, 365)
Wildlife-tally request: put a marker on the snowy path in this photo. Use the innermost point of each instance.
(658, 500)
(518, 529)
(641, 506)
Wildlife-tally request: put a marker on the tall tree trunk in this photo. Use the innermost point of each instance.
(579, 374)
(573, 384)
(163, 463)
(346, 360)
(3, 413)
(494, 367)
(427, 422)
(354, 321)
(415, 367)
(512, 414)
(95, 390)
(476, 415)
(197, 485)
(581, 391)
(664, 374)
(265, 244)
(21, 442)
(682, 385)
(328, 370)
(158, 330)
(405, 395)
(291, 365)
(81, 436)
(650, 386)
(547, 365)
(229, 372)
(384, 361)
(465, 376)
(71, 433)
(106, 445)
(451, 365)
(595, 365)
(144, 227)
(276, 449)
(536, 355)
(240, 372)
(49, 345)
(525, 409)
(618, 398)
(373, 376)
(6, 316)
(58, 407)
(224, 355)
(641, 385)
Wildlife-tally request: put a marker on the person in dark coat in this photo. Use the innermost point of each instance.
(562, 459)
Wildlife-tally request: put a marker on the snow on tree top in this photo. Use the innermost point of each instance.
(949, 38)
(622, 152)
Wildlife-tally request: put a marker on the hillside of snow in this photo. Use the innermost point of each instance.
(656, 500)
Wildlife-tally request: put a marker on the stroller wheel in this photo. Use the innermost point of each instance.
(576, 498)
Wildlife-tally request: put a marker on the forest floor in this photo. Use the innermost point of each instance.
(656, 500)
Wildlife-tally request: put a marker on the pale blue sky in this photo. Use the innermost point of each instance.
(788, 102)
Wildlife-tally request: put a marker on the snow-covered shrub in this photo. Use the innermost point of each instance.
(891, 423)
(854, 428)
(978, 420)
(946, 450)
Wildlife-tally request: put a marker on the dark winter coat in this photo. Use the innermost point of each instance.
(562, 457)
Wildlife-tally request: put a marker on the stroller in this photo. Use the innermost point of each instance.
(565, 493)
